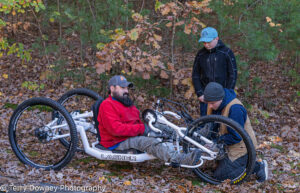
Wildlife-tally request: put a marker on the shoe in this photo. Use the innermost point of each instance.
(190, 158)
(262, 174)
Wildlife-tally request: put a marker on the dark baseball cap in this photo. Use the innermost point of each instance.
(213, 92)
(119, 80)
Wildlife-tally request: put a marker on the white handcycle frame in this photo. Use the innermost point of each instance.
(82, 125)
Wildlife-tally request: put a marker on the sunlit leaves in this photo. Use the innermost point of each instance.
(137, 17)
(187, 28)
(135, 51)
(134, 34)
(157, 37)
(19, 6)
(158, 5)
(100, 46)
(188, 82)
(169, 24)
(272, 24)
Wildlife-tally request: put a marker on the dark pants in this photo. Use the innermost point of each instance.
(203, 109)
(228, 170)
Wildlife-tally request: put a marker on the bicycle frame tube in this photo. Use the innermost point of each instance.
(162, 119)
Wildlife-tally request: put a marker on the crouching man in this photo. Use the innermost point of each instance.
(222, 101)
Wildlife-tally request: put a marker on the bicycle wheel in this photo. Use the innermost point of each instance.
(80, 100)
(32, 133)
(209, 126)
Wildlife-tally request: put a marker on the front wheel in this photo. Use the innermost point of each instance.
(217, 170)
(34, 132)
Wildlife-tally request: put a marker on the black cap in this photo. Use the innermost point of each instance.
(213, 92)
(119, 80)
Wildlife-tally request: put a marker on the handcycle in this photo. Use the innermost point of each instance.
(44, 133)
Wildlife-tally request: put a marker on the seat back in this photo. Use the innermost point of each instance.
(95, 109)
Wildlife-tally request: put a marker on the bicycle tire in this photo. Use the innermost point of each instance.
(77, 92)
(247, 140)
(33, 105)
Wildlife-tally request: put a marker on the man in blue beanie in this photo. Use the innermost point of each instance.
(223, 102)
(215, 62)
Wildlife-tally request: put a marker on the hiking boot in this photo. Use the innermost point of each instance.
(189, 158)
(262, 174)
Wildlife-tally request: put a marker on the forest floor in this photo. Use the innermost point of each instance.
(274, 114)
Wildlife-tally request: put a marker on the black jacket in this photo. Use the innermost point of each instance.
(215, 65)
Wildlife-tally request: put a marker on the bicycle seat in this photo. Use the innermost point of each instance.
(95, 109)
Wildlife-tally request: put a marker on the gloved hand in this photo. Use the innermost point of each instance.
(149, 133)
(147, 130)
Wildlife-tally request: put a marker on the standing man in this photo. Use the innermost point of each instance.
(215, 62)
(224, 102)
(120, 127)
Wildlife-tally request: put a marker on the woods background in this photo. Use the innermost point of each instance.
(49, 47)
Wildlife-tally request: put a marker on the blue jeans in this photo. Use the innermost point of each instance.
(228, 170)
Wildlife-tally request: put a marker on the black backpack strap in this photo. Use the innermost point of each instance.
(95, 109)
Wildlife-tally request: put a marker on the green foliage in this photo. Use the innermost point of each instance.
(187, 41)
(153, 86)
(248, 18)
(62, 69)
(243, 70)
(279, 147)
(198, 183)
(13, 7)
(33, 86)
(265, 28)
(10, 106)
(160, 92)
(20, 6)
(88, 20)
(295, 77)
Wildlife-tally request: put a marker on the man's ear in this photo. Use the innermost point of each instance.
(111, 88)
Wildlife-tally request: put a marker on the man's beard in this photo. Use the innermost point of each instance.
(125, 99)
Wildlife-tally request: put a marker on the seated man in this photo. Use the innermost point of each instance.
(121, 128)
(223, 101)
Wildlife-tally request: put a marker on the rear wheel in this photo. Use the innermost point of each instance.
(32, 134)
(80, 100)
(208, 126)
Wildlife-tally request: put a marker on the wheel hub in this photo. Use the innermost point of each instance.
(42, 135)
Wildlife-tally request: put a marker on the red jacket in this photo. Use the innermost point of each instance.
(118, 122)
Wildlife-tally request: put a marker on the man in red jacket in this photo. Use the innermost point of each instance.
(121, 127)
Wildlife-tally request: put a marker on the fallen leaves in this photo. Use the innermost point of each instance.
(164, 75)
(5, 76)
(127, 183)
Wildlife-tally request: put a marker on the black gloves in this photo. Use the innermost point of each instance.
(147, 130)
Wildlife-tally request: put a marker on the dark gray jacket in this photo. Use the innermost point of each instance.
(215, 65)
